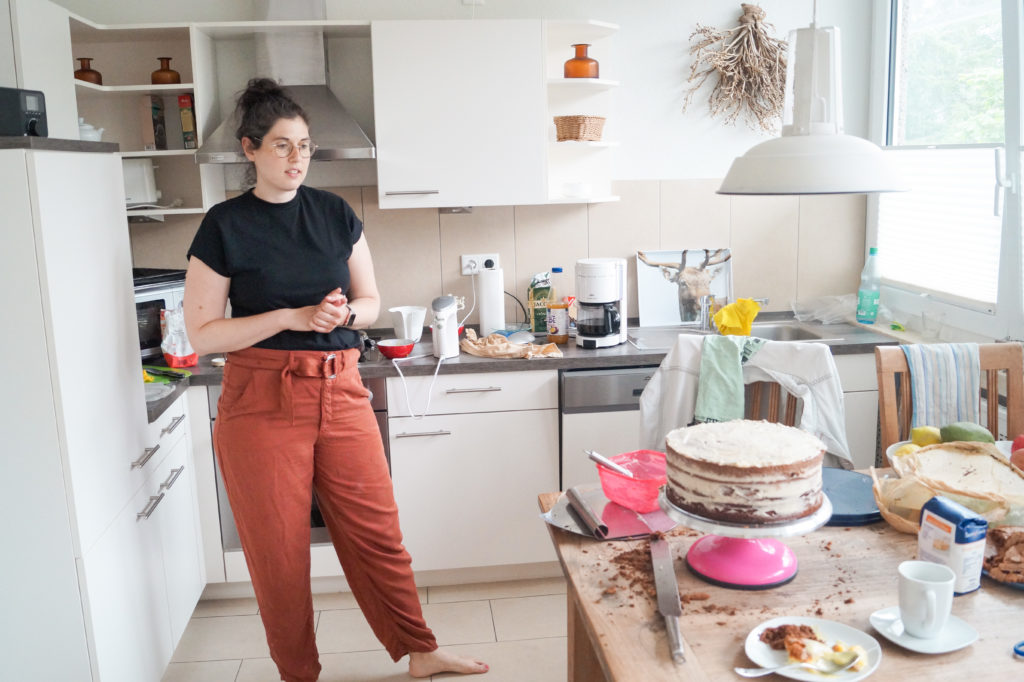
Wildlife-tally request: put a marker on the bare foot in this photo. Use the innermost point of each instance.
(425, 664)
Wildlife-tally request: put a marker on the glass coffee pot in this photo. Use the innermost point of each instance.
(598, 320)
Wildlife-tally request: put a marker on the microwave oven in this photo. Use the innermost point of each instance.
(155, 290)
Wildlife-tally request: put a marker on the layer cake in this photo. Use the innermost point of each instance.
(744, 471)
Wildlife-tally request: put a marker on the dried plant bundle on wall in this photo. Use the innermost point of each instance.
(749, 70)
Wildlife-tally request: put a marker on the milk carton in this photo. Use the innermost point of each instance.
(953, 535)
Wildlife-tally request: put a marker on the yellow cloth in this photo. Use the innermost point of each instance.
(736, 318)
(497, 346)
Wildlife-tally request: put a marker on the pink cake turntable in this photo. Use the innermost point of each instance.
(746, 557)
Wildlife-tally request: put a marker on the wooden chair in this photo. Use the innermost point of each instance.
(772, 409)
(1002, 374)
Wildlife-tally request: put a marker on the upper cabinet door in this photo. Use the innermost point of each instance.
(43, 61)
(460, 111)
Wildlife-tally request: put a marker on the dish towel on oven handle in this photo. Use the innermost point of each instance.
(945, 382)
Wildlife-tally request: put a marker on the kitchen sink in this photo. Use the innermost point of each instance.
(785, 332)
(662, 338)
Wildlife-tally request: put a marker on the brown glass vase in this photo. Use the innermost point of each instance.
(581, 66)
(165, 75)
(88, 74)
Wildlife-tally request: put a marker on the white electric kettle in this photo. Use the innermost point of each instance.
(408, 321)
(445, 328)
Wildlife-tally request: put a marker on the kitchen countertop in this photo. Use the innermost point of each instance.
(855, 339)
(55, 144)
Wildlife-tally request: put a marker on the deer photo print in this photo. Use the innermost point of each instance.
(669, 284)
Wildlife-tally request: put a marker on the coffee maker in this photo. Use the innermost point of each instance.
(600, 302)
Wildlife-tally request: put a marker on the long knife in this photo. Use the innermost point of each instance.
(668, 594)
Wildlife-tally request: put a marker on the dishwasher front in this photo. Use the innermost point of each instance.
(600, 411)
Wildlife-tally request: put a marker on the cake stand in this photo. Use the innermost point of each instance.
(745, 556)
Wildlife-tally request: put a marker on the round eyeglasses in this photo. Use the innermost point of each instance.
(284, 148)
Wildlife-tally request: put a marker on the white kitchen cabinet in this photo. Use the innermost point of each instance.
(74, 422)
(860, 397)
(467, 478)
(459, 109)
(42, 57)
(145, 572)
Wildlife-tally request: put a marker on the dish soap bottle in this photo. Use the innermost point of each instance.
(867, 295)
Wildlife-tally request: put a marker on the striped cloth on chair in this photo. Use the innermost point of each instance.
(945, 382)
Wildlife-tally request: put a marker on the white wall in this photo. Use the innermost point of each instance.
(651, 59)
(8, 78)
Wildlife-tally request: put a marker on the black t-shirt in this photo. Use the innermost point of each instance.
(282, 256)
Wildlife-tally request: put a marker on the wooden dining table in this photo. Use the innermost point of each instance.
(844, 574)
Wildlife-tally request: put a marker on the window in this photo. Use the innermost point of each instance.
(951, 127)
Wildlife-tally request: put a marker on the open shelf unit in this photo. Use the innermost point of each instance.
(573, 165)
(126, 55)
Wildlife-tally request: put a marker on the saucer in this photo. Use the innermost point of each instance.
(956, 635)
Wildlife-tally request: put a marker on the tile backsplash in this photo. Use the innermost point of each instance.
(784, 248)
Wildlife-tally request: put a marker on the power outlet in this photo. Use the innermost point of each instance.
(475, 262)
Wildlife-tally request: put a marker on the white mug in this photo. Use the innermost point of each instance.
(926, 597)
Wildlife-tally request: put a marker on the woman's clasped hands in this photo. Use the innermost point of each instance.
(323, 317)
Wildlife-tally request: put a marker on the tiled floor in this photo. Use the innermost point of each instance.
(518, 628)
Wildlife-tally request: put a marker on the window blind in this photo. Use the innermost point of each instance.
(942, 234)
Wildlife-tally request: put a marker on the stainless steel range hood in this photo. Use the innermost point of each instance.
(298, 61)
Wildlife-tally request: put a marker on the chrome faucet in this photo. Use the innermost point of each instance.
(707, 304)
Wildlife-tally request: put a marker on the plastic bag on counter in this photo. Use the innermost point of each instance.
(826, 309)
(177, 350)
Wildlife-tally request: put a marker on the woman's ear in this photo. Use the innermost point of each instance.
(248, 148)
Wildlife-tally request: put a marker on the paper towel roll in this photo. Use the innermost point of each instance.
(492, 300)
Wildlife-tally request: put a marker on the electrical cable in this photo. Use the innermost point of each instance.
(472, 285)
(405, 386)
(526, 318)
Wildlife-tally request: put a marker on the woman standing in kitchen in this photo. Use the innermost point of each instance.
(293, 416)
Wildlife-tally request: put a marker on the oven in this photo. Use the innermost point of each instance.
(318, 530)
(156, 290)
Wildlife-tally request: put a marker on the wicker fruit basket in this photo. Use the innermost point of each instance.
(579, 128)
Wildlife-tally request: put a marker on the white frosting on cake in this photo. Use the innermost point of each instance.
(775, 444)
(744, 470)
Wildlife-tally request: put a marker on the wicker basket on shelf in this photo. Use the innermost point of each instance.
(579, 128)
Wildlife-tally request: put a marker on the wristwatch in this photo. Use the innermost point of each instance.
(351, 316)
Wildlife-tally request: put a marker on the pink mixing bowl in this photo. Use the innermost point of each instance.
(640, 493)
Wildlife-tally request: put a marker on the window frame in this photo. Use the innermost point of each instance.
(1007, 319)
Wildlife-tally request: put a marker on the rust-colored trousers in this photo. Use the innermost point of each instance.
(289, 422)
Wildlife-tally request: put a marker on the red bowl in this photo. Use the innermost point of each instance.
(395, 348)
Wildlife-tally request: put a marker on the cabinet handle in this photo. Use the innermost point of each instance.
(473, 390)
(440, 432)
(146, 455)
(175, 423)
(154, 500)
(166, 485)
(408, 192)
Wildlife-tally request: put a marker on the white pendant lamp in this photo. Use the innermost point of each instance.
(812, 156)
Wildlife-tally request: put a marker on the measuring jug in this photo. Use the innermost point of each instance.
(408, 321)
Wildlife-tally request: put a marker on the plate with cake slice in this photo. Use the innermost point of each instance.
(789, 639)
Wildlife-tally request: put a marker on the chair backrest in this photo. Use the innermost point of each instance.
(771, 407)
(1002, 374)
